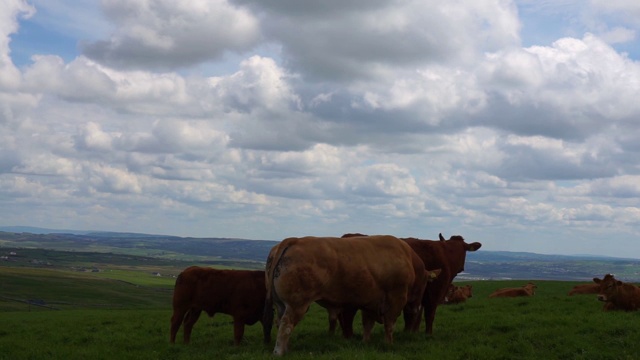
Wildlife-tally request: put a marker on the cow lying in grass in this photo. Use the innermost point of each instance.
(239, 293)
(526, 290)
(618, 295)
(584, 289)
(458, 294)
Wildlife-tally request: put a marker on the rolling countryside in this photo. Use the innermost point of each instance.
(109, 297)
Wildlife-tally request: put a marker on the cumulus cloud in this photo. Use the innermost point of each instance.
(405, 117)
(345, 40)
(165, 34)
(10, 11)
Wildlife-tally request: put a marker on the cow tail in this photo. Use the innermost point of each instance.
(272, 271)
(267, 314)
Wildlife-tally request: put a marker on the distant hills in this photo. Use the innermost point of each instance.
(479, 265)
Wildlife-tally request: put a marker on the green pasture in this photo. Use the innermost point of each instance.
(36, 289)
(126, 316)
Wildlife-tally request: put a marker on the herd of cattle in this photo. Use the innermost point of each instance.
(382, 276)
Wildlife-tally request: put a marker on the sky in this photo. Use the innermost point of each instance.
(512, 123)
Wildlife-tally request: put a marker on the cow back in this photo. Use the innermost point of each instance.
(355, 270)
(238, 293)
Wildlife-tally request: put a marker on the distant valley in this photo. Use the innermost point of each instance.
(244, 253)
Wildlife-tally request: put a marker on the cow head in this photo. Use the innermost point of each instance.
(610, 291)
(530, 288)
(457, 250)
(467, 291)
(608, 287)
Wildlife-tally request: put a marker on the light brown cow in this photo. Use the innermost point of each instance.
(447, 255)
(459, 294)
(376, 274)
(584, 289)
(348, 312)
(239, 293)
(526, 290)
(618, 295)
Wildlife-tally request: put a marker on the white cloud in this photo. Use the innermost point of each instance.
(404, 117)
(339, 41)
(10, 12)
(165, 34)
(381, 180)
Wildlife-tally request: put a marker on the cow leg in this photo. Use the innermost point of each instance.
(280, 308)
(412, 318)
(238, 331)
(368, 320)
(395, 302)
(412, 321)
(190, 320)
(176, 321)
(429, 316)
(346, 321)
(266, 332)
(389, 323)
(333, 319)
(288, 322)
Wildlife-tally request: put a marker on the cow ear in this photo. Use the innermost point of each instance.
(597, 281)
(473, 246)
(441, 237)
(432, 274)
(618, 282)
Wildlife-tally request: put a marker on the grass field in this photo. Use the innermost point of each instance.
(124, 314)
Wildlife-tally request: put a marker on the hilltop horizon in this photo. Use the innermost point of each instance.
(44, 230)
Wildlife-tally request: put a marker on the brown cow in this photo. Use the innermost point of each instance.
(608, 278)
(447, 255)
(239, 293)
(348, 312)
(459, 294)
(526, 290)
(584, 289)
(376, 274)
(618, 295)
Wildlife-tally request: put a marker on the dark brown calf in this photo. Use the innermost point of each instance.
(239, 293)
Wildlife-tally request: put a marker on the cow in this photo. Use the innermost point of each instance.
(525, 290)
(447, 255)
(459, 294)
(606, 279)
(618, 295)
(239, 293)
(377, 274)
(450, 291)
(584, 289)
(346, 314)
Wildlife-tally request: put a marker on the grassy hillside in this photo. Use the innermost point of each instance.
(251, 254)
(103, 318)
(32, 289)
